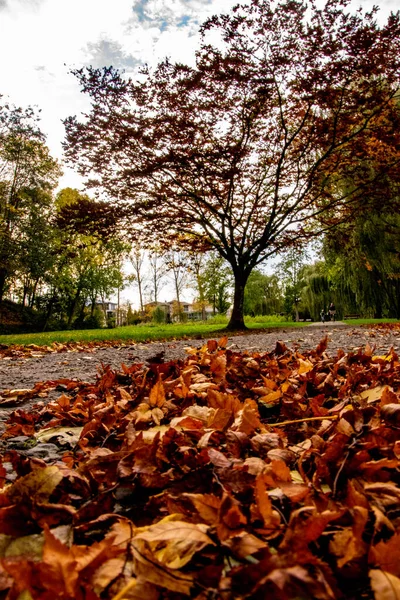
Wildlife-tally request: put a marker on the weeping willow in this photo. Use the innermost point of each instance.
(364, 265)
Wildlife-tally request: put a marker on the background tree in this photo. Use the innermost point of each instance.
(241, 153)
(36, 238)
(291, 270)
(157, 273)
(177, 263)
(137, 259)
(86, 268)
(319, 289)
(262, 294)
(197, 262)
(364, 260)
(28, 174)
(217, 278)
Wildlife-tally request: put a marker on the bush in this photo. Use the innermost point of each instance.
(96, 321)
(217, 320)
(267, 319)
(111, 322)
(158, 315)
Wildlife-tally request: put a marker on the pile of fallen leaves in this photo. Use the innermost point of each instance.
(16, 351)
(386, 327)
(224, 476)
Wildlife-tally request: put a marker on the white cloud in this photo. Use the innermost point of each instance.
(44, 39)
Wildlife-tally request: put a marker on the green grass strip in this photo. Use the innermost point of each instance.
(134, 333)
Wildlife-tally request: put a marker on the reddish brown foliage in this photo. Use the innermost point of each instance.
(222, 476)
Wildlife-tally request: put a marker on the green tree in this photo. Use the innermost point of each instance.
(137, 259)
(242, 151)
(263, 294)
(291, 270)
(35, 244)
(363, 257)
(177, 264)
(86, 268)
(319, 290)
(28, 174)
(217, 278)
(197, 262)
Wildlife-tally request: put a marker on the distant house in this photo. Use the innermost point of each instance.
(112, 313)
(169, 308)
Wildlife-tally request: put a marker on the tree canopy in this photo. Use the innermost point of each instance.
(28, 174)
(243, 151)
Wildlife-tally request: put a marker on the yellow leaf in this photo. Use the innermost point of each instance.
(269, 383)
(247, 419)
(304, 366)
(384, 585)
(373, 394)
(207, 505)
(271, 398)
(172, 543)
(37, 485)
(157, 415)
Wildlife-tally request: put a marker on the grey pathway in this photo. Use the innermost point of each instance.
(25, 372)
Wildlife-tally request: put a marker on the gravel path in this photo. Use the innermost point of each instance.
(25, 372)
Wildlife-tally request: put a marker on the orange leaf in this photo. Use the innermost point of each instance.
(230, 518)
(248, 418)
(207, 505)
(157, 395)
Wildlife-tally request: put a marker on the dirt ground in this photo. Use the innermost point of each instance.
(25, 372)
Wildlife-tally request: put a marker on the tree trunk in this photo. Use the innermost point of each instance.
(237, 318)
(24, 294)
(49, 313)
(296, 313)
(139, 283)
(178, 299)
(73, 308)
(33, 295)
(3, 277)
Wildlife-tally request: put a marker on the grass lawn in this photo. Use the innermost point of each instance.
(369, 321)
(136, 333)
(146, 333)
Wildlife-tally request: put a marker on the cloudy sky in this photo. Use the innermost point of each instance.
(41, 40)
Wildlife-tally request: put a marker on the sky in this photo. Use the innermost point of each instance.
(42, 40)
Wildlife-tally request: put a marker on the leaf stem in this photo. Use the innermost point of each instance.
(329, 417)
(125, 589)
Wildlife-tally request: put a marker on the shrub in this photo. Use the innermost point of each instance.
(158, 315)
(95, 321)
(267, 319)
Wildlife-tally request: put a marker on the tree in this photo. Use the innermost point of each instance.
(196, 267)
(291, 270)
(318, 290)
(85, 267)
(28, 174)
(157, 273)
(177, 264)
(217, 283)
(33, 258)
(137, 259)
(241, 153)
(262, 294)
(364, 261)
